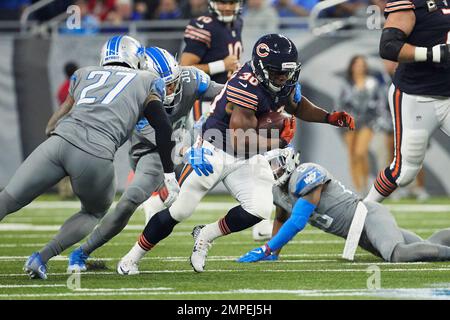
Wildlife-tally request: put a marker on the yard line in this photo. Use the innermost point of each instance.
(364, 270)
(14, 286)
(424, 293)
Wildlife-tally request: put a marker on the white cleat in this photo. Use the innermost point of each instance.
(127, 267)
(200, 250)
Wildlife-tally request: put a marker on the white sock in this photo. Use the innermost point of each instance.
(211, 231)
(152, 206)
(136, 253)
(374, 195)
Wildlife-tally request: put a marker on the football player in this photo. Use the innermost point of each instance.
(269, 82)
(183, 86)
(213, 42)
(101, 110)
(416, 34)
(309, 193)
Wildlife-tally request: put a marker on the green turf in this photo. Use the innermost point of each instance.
(311, 262)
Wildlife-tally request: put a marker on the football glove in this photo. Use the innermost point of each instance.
(341, 119)
(173, 189)
(255, 255)
(198, 161)
(288, 132)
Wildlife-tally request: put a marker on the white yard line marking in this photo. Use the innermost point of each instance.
(424, 293)
(15, 286)
(364, 270)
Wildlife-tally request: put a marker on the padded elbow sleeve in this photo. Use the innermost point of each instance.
(392, 41)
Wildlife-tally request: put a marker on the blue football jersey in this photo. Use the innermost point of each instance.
(212, 40)
(242, 90)
(432, 28)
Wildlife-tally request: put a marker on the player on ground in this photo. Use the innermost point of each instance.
(105, 103)
(309, 193)
(183, 86)
(213, 42)
(417, 35)
(266, 83)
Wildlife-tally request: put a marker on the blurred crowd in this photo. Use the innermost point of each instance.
(95, 12)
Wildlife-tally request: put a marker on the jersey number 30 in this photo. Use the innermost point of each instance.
(102, 77)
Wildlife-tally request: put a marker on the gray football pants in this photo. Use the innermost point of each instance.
(383, 237)
(92, 179)
(148, 177)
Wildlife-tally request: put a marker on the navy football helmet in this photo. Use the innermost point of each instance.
(213, 8)
(275, 63)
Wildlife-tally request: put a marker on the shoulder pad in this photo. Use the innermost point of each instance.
(309, 176)
(203, 81)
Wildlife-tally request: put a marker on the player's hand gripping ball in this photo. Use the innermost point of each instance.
(283, 122)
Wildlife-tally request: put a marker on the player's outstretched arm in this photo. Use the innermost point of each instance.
(307, 111)
(302, 210)
(64, 109)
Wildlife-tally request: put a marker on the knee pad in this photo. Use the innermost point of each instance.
(415, 145)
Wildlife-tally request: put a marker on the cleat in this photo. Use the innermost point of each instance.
(127, 267)
(200, 250)
(77, 261)
(35, 268)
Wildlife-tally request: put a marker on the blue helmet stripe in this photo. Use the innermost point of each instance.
(112, 45)
(154, 60)
(116, 49)
(159, 59)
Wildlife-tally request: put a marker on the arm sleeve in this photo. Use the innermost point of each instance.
(301, 212)
(158, 119)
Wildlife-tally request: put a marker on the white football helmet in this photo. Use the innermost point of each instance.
(123, 49)
(283, 162)
(163, 63)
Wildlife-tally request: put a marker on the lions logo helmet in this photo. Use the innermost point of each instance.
(275, 56)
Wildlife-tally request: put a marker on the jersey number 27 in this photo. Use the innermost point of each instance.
(102, 77)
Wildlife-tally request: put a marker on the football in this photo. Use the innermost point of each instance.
(272, 120)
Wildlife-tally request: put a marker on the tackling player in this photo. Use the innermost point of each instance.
(102, 108)
(417, 35)
(183, 86)
(269, 82)
(309, 193)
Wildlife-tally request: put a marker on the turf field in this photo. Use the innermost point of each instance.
(310, 268)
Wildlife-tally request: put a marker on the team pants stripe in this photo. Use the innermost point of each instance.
(398, 133)
(224, 227)
(144, 244)
(185, 173)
